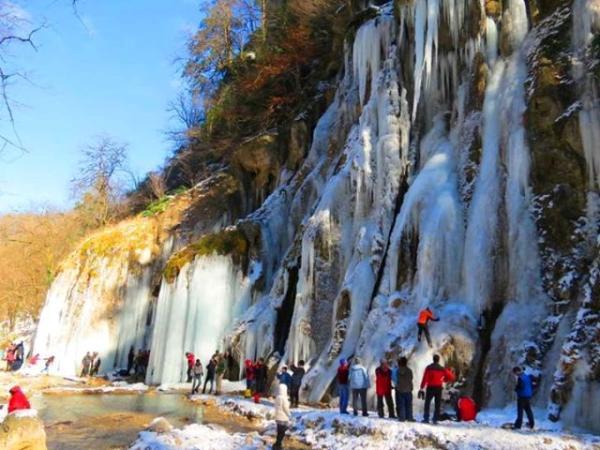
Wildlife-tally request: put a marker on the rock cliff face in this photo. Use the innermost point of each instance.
(456, 166)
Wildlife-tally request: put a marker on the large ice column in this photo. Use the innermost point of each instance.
(194, 313)
(353, 218)
(586, 22)
(82, 315)
(431, 216)
(482, 229)
(134, 318)
(432, 211)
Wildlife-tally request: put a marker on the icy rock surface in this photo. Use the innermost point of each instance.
(416, 191)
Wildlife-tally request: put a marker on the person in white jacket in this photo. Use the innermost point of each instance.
(282, 414)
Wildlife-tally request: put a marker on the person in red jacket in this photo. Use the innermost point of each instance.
(343, 373)
(250, 372)
(191, 360)
(466, 409)
(17, 400)
(423, 324)
(383, 389)
(433, 379)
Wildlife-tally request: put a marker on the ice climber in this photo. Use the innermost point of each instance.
(359, 383)
(17, 400)
(342, 382)
(524, 390)
(433, 379)
(422, 324)
(402, 377)
(383, 389)
(282, 415)
(297, 376)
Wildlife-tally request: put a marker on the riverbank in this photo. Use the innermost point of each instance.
(327, 429)
(116, 415)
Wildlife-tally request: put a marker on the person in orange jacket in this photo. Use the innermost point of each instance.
(433, 379)
(422, 324)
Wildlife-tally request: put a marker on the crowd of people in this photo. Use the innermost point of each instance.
(216, 369)
(14, 356)
(394, 389)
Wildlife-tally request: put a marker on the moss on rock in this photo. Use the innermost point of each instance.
(226, 242)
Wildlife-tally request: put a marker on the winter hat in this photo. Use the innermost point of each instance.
(342, 362)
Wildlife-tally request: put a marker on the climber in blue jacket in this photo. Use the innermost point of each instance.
(524, 390)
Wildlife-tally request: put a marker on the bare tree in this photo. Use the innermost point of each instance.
(103, 179)
(15, 30)
(157, 184)
(187, 114)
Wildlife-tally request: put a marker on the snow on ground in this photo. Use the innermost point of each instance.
(327, 429)
(228, 387)
(196, 436)
(113, 388)
(247, 408)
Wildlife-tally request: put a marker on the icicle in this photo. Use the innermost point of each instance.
(586, 20)
(483, 213)
(516, 17)
(491, 41)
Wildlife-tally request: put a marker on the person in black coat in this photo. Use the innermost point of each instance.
(211, 368)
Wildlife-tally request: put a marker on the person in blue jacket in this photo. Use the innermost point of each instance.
(284, 377)
(359, 383)
(524, 390)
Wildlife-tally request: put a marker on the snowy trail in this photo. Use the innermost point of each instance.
(327, 429)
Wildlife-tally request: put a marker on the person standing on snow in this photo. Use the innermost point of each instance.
(423, 324)
(383, 389)
(17, 400)
(220, 371)
(191, 359)
(433, 379)
(524, 390)
(251, 375)
(210, 375)
(130, 359)
(97, 362)
(284, 377)
(197, 372)
(297, 376)
(359, 383)
(86, 365)
(282, 414)
(403, 382)
(342, 381)
(260, 375)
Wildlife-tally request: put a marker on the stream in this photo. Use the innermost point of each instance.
(113, 421)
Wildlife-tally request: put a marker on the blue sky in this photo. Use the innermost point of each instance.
(115, 76)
